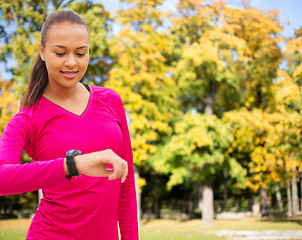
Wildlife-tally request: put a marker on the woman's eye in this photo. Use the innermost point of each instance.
(81, 54)
(60, 54)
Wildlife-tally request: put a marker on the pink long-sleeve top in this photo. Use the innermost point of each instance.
(79, 208)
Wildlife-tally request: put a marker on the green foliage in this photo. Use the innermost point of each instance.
(206, 60)
(196, 150)
(21, 23)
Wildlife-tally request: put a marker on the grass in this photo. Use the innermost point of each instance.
(14, 229)
(173, 230)
(194, 229)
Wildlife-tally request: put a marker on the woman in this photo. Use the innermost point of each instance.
(84, 196)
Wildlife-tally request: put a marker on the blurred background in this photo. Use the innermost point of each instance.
(212, 92)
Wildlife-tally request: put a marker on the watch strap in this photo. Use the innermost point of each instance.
(72, 169)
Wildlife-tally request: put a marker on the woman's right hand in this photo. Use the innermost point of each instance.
(95, 165)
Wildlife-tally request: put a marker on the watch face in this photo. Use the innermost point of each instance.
(73, 153)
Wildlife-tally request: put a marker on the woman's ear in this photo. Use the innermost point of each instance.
(41, 52)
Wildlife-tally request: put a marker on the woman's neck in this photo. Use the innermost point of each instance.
(61, 93)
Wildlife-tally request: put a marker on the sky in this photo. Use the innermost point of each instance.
(290, 10)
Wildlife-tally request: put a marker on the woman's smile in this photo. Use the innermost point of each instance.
(69, 74)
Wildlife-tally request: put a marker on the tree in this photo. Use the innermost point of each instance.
(224, 58)
(270, 141)
(294, 57)
(20, 26)
(205, 59)
(261, 31)
(197, 151)
(290, 82)
(249, 131)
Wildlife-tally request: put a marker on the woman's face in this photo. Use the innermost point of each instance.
(66, 54)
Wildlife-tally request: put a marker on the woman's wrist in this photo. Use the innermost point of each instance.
(77, 163)
(66, 168)
(77, 160)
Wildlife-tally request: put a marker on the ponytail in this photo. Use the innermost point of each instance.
(37, 83)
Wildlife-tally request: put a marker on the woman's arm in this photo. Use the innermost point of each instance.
(127, 214)
(18, 178)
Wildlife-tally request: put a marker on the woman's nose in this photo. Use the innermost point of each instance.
(70, 61)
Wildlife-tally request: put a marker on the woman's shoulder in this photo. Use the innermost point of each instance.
(30, 116)
(23, 117)
(22, 122)
(24, 113)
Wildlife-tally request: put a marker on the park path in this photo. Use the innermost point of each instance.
(260, 235)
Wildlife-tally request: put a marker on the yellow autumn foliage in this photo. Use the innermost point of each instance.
(8, 104)
(270, 142)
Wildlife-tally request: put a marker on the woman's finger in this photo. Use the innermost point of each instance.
(115, 173)
(108, 172)
(125, 174)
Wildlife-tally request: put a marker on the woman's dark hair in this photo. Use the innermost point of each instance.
(39, 76)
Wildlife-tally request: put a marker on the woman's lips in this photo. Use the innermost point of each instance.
(69, 74)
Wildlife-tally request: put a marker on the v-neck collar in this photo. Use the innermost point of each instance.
(64, 110)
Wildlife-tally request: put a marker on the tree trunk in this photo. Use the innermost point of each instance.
(264, 202)
(237, 204)
(258, 96)
(250, 203)
(190, 205)
(225, 190)
(208, 202)
(207, 189)
(200, 202)
(40, 195)
(10, 211)
(138, 195)
(156, 209)
(301, 194)
(279, 198)
(209, 100)
(295, 198)
(289, 199)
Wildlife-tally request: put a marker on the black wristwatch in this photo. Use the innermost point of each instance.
(72, 169)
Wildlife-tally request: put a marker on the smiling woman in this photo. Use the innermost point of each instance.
(78, 137)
